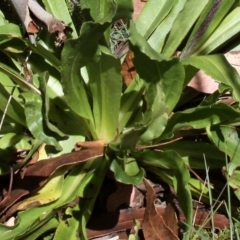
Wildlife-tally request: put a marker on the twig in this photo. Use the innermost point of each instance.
(139, 147)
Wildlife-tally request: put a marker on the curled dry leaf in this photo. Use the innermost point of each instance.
(128, 69)
(157, 226)
(23, 8)
(37, 174)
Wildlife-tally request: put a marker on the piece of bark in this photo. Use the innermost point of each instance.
(157, 226)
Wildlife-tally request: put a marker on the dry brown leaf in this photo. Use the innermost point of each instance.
(23, 8)
(113, 222)
(128, 69)
(37, 174)
(157, 226)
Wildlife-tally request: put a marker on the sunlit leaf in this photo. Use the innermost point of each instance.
(34, 119)
(200, 117)
(226, 138)
(15, 76)
(153, 68)
(171, 160)
(156, 116)
(105, 82)
(227, 29)
(207, 23)
(59, 9)
(130, 100)
(120, 175)
(75, 55)
(152, 15)
(217, 67)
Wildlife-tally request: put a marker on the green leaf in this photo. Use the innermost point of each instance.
(95, 180)
(200, 117)
(69, 229)
(14, 110)
(124, 9)
(137, 227)
(152, 68)
(159, 35)
(78, 178)
(59, 10)
(152, 123)
(211, 99)
(207, 23)
(10, 30)
(217, 67)
(50, 225)
(233, 181)
(47, 55)
(13, 45)
(16, 77)
(34, 119)
(100, 11)
(226, 138)
(118, 168)
(75, 55)
(172, 83)
(27, 222)
(143, 52)
(228, 28)
(181, 26)
(42, 79)
(11, 139)
(130, 100)
(3, 21)
(171, 160)
(105, 82)
(156, 116)
(130, 166)
(193, 152)
(152, 15)
(49, 192)
(74, 186)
